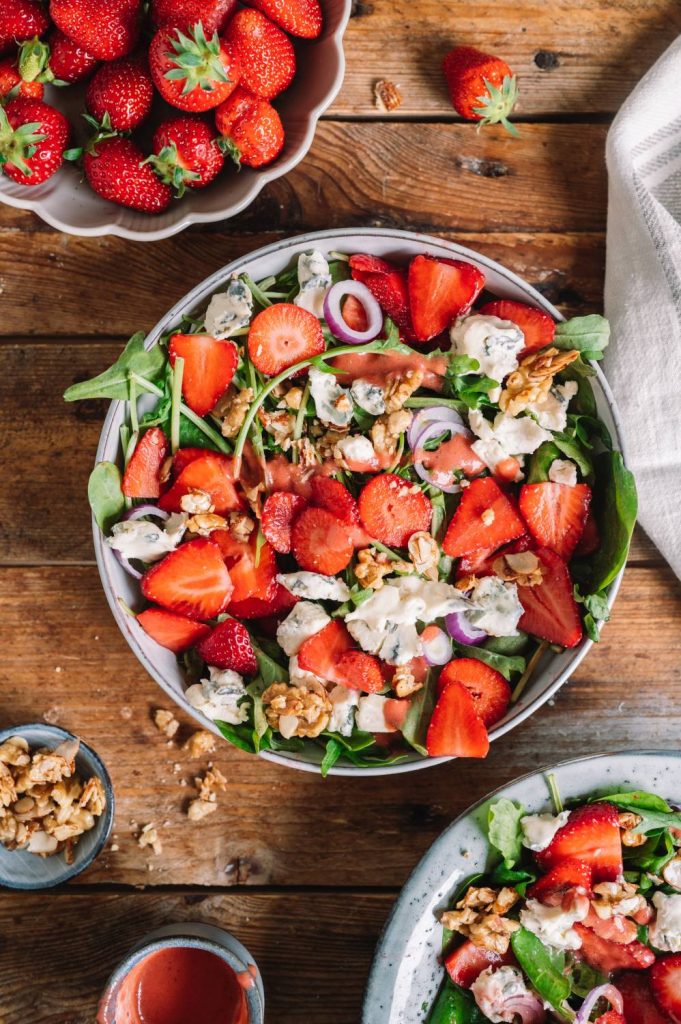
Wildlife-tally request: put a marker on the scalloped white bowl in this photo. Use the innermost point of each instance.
(67, 202)
(553, 669)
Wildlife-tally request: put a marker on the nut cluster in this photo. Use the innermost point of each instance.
(373, 565)
(532, 381)
(523, 568)
(480, 917)
(297, 710)
(232, 409)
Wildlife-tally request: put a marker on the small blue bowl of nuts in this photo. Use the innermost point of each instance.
(56, 806)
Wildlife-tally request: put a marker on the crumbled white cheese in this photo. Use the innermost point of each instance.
(303, 621)
(300, 676)
(665, 931)
(314, 587)
(495, 343)
(218, 697)
(539, 829)
(496, 607)
(371, 713)
(332, 402)
(551, 412)
(506, 436)
(368, 396)
(672, 873)
(492, 989)
(553, 925)
(314, 279)
(343, 705)
(146, 540)
(229, 311)
(357, 450)
(563, 471)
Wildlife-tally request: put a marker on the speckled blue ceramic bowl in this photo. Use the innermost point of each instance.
(406, 974)
(22, 870)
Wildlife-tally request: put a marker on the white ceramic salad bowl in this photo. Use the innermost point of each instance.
(68, 203)
(553, 669)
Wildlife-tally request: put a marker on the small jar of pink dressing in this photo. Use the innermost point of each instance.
(185, 972)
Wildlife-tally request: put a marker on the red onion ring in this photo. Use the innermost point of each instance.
(528, 1007)
(139, 511)
(608, 992)
(126, 564)
(433, 414)
(462, 630)
(437, 648)
(427, 433)
(427, 477)
(334, 316)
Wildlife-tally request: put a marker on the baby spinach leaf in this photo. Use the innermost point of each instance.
(113, 383)
(507, 645)
(588, 429)
(105, 495)
(455, 1005)
(655, 853)
(240, 736)
(571, 448)
(501, 662)
(544, 967)
(540, 462)
(518, 878)
(589, 335)
(357, 741)
(418, 716)
(596, 611)
(584, 402)
(655, 813)
(615, 502)
(269, 670)
(584, 978)
(333, 752)
(504, 831)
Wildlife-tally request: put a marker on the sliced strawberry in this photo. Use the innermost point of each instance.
(665, 981)
(330, 494)
(637, 996)
(360, 671)
(209, 366)
(229, 646)
(183, 456)
(278, 515)
(591, 835)
(617, 928)
(607, 957)
(389, 285)
(176, 632)
(142, 477)
(538, 327)
(282, 335)
(253, 570)
(365, 263)
(212, 473)
(550, 608)
(322, 652)
(468, 532)
(321, 542)
(392, 509)
(467, 961)
(456, 729)
(277, 604)
(590, 540)
(490, 692)
(567, 874)
(481, 563)
(556, 514)
(193, 580)
(439, 291)
(611, 1017)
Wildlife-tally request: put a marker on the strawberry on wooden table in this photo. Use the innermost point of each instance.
(550, 610)
(590, 835)
(556, 514)
(392, 509)
(321, 653)
(191, 71)
(209, 367)
(33, 137)
(176, 632)
(69, 62)
(186, 153)
(120, 93)
(321, 542)
(250, 128)
(116, 169)
(538, 326)
(360, 671)
(107, 29)
(481, 87)
(665, 982)
(265, 54)
(20, 20)
(464, 963)
(229, 646)
(637, 997)
(301, 18)
(193, 580)
(278, 515)
(282, 335)
(484, 520)
(490, 691)
(439, 291)
(184, 14)
(142, 477)
(211, 473)
(456, 729)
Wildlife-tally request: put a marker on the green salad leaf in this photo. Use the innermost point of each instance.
(615, 504)
(518, 878)
(419, 714)
(540, 462)
(544, 967)
(571, 448)
(589, 335)
(655, 812)
(596, 610)
(501, 662)
(455, 1005)
(504, 831)
(105, 495)
(114, 382)
(333, 751)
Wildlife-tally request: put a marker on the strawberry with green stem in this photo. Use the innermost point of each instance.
(26, 74)
(116, 169)
(119, 95)
(186, 153)
(251, 129)
(190, 71)
(33, 137)
(481, 87)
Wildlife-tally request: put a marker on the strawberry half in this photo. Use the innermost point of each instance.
(283, 334)
(330, 494)
(607, 957)
(551, 611)
(209, 366)
(490, 692)
(567, 874)
(279, 602)
(142, 477)
(590, 835)
(321, 542)
(253, 571)
(176, 632)
(538, 327)
(467, 961)
(389, 286)
(193, 580)
(212, 473)
(555, 514)
(619, 929)
(611, 1017)
(229, 646)
(360, 671)
(456, 729)
(278, 515)
(183, 456)
(468, 533)
(391, 509)
(439, 291)
(322, 652)
(665, 981)
(637, 996)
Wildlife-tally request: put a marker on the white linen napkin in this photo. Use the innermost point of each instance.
(643, 293)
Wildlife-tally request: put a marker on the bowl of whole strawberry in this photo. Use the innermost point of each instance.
(359, 501)
(138, 119)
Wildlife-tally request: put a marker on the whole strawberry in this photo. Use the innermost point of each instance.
(251, 129)
(190, 71)
(229, 647)
(20, 20)
(116, 169)
(265, 54)
(25, 74)
(107, 29)
(481, 87)
(299, 17)
(33, 137)
(69, 62)
(120, 94)
(186, 153)
(184, 14)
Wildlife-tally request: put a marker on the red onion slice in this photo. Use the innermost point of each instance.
(528, 1007)
(433, 414)
(437, 647)
(462, 630)
(334, 315)
(608, 992)
(126, 564)
(428, 478)
(139, 511)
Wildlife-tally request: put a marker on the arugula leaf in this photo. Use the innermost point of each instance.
(544, 967)
(419, 714)
(508, 646)
(588, 334)
(655, 813)
(501, 662)
(504, 831)
(105, 495)
(460, 365)
(596, 611)
(584, 402)
(540, 462)
(356, 742)
(114, 382)
(240, 736)
(615, 502)
(589, 428)
(572, 449)
(269, 670)
(455, 1005)
(518, 878)
(333, 752)
(161, 416)
(655, 853)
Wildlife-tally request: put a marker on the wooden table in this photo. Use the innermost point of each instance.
(303, 870)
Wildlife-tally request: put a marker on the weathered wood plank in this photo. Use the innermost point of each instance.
(582, 57)
(64, 659)
(46, 439)
(315, 971)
